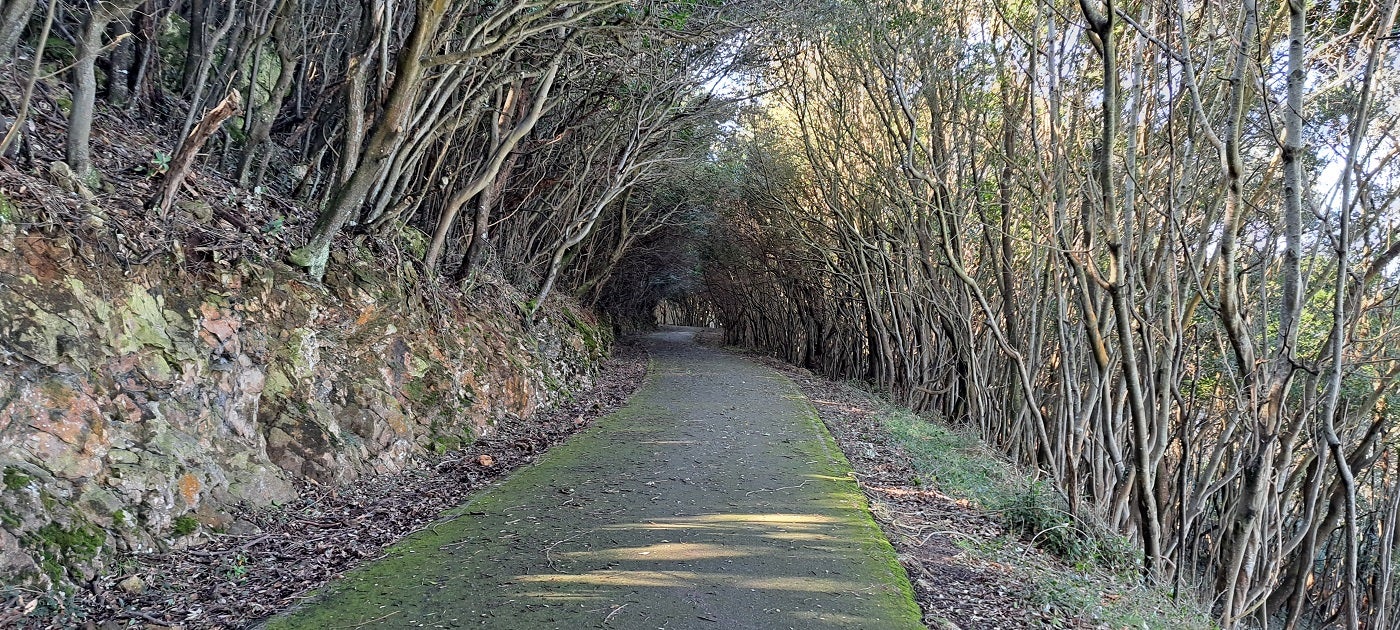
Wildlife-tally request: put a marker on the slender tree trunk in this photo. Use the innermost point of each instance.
(261, 128)
(146, 65)
(348, 197)
(1236, 577)
(1340, 326)
(371, 23)
(481, 223)
(1119, 287)
(1290, 303)
(201, 74)
(491, 167)
(14, 16)
(14, 133)
(118, 86)
(79, 140)
(196, 50)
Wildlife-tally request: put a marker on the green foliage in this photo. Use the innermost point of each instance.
(1033, 514)
(274, 225)
(8, 211)
(679, 14)
(1133, 607)
(442, 444)
(174, 40)
(1038, 515)
(423, 393)
(962, 466)
(57, 547)
(185, 525)
(958, 464)
(593, 339)
(237, 568)
(59, 52)
(160, 163)
(15, 478)
(415, 241)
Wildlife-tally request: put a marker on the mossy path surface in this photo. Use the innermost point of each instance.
(714, 500)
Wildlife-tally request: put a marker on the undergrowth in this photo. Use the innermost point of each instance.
(1093, 573)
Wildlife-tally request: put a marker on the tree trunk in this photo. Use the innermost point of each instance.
(100, 14)
(196, 92)
(371, 22)
(14, 16)
(481, 223)
(492, 165)
(261, 128)
(196, 50)
(147, 64)
(16, 130)
(1340, 327)
(348, 196)
(118, 88)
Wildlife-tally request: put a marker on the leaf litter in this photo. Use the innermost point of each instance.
(286, 551)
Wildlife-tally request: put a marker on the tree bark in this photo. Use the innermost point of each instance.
(491, 166)
(78, 143)
(118, 83)
(183, 160)
(196, 50)
(14, 16)
(261, 129)
(348, 196)
(15, 133)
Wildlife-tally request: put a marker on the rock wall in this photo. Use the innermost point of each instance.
(137, 408)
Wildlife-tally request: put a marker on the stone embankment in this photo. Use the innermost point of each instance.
(140, 408)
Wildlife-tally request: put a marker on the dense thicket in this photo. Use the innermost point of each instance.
(544, 139)
(1146, 246)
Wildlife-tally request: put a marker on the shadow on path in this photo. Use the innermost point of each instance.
(714, 499)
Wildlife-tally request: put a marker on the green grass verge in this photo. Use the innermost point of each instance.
(1089, 573)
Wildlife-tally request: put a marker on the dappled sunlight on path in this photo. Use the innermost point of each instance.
(713, 500)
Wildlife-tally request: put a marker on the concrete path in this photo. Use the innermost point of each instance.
(714, 500)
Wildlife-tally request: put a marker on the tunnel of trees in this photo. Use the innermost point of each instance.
(543, 140)
(1147, 247)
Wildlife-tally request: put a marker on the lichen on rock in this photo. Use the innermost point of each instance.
(132, 405)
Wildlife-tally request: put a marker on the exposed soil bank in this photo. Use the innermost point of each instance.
(715, 499)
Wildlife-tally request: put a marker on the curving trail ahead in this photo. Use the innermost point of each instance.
(715, 500)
